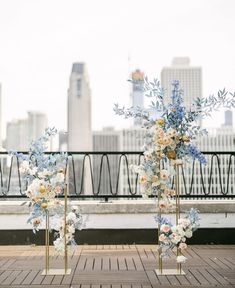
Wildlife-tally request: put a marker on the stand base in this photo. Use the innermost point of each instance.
(169, 272)
(56, 272)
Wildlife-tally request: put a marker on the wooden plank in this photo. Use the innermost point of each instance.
(20, 278)
(190, 277)
(114, 277)
(105, 263)
(11, 277)
(130, 264)
(98, 263)
(200, 278)
(212, 280)
(89, 264)
(173, 280)
(183, 279)
(81, 263)
(4, 275)
(138, 264)
(153, 278)
(30, 277)
(57, 280)
(47, 280)
(114, 263)
(121, 263)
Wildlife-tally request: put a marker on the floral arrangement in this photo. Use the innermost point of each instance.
(171, 236)
(171, 131)
(44, 174)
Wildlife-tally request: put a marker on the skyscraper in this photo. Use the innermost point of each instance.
(79, 125)
(21, 132)
(79, 110)
(37, 123)
(137, 95)
(190, 78)
(228, 118)
(107, 140)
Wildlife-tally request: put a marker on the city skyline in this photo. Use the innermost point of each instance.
(38, 49)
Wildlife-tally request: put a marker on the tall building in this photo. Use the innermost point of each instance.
(131, 140)
(79, 110)
(137, 94)
(79, 127)
(37, 123)
(21, 132)
(190, 78)
(106, 140)
(228, 118)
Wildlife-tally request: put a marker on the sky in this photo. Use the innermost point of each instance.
(40, 39)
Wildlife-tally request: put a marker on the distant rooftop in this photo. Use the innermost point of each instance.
(78, 68)
(181, 61)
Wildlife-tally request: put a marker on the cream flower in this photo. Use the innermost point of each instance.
(162, 237)
(165, 228)
(164, 174)
(181, 259)
(143, 179)
(162, 204)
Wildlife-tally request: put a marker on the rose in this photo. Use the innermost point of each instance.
(165, 228)
(175, 238)
(166, 141)
(162, 204)
(36, 221)
(143, 179)
(164, 174)
(154, 178)
(162, 237)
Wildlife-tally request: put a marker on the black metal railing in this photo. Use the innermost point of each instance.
(108, 175)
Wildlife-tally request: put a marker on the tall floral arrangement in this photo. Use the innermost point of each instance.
(44, 174)
(171, 131)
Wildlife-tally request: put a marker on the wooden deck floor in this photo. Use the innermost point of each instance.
(116, 266)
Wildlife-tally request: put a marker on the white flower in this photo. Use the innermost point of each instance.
(181, 259)
(33, 171)
(75, 209)
(45, 173)
(59, 178)
(59, 245)
(188, 233)
(184, 222)
(71, 217)
(24, 167)
(71, 229)
(148, 154)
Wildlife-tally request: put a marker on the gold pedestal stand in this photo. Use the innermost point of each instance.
(178, 270)
(47, 270)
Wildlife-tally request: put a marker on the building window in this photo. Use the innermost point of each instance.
(79, 87)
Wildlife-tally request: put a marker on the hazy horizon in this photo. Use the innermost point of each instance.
(41, 39)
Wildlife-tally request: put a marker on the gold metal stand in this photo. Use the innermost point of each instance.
(178, 270)
(47, 270)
